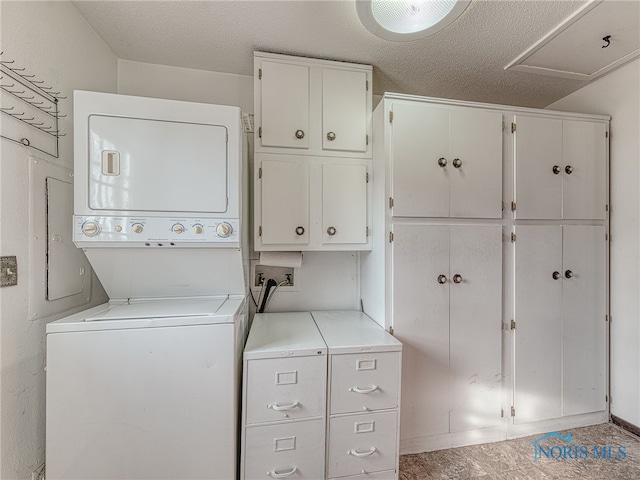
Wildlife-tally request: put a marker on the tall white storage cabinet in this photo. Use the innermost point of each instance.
(363, 399)
(284, 399)
(313, 154)
(491, 268)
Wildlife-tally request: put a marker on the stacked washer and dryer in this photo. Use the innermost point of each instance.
(147, 386)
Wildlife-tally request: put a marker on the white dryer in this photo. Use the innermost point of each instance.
(147, 386)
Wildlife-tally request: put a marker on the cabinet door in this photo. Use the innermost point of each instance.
(475, 358)
(344, 110)
(421, 322)
(476, 147)
(538, 316)
(344, 203)
(285, 202)
(538, 149)
(284, 105)
(584, 147)
(419, 138)
(584, 308)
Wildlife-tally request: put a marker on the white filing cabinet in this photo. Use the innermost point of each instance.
(284, 398)
(302, 422)
(364, 396)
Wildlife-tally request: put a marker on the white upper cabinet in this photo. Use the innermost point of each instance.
(312, 107)
(446, 161)
(344, 204)
(316, 204)
(285, 105)
(284, 215)
(344, 110)
(560, 168)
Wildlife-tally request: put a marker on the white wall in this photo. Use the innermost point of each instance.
(51, 40)
(326, 280)
(618, 95)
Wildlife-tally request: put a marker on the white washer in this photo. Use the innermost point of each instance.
(147, 386)
(147, 390)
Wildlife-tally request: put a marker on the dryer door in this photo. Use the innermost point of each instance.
(147, 165)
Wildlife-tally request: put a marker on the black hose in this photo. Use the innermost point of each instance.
(270, 283)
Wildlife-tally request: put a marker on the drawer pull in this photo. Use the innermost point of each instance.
(359, 454)
(275, 474)
(363, 390)
(279, 408)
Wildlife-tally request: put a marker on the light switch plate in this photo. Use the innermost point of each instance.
(8, 271)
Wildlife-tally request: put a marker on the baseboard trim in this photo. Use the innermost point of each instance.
(629, 427)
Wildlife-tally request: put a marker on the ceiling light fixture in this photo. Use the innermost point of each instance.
(406, 20)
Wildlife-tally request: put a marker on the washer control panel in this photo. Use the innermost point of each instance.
(154, 231)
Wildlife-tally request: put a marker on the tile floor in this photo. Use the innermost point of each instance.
(514, 459)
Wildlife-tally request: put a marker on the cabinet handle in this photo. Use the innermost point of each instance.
(457, 163)
(556, 169)
(568, 274)
(331, 231)
(299, 134)
(555, 275)
(357, 389)
(442, 162)
(299, 230)
(279, 408)
(275, 474)
(568, 169)
(331, 136)
(356, 453)
(457, 278)
(442, 279)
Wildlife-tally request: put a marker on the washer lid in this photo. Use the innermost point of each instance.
(161, 308)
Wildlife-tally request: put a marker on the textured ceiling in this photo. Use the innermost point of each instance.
(463, 61)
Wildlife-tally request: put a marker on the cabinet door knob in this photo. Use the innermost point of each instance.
(556, 169)
(457, 278)
(331, 231)
(442, 162)
(568, 169)
(442, 279)
(568, 274)
(457, 163)
(299, 134)
(331, 136)
(299, 230)
(555, 275)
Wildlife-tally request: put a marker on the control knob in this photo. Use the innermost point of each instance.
(138, 228)
(197, 229)
(177, 228)
(224, 230)
(90, 228)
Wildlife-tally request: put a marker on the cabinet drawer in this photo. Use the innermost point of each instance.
(294, 448)
(285, 388)
(361, 381)
(362, 442)
(387, 475)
